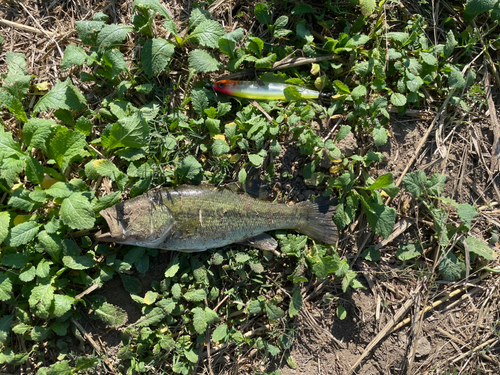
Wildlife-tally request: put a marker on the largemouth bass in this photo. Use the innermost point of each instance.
(197, 218)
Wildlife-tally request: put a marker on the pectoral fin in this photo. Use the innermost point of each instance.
(262, 241)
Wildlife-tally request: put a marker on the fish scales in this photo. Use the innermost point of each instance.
(191, 218)
(214, 217)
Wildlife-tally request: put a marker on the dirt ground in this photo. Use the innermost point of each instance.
(459, 335)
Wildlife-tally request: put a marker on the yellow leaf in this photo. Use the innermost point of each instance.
(21, 219)
(219, 136)
(48, 182)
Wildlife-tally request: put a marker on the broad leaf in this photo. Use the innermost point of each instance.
(131, 131)
(203, 62)
(76, 212)
(22, 234)
(156, 55)
(67, 146)
(62, 96)
(112, 35)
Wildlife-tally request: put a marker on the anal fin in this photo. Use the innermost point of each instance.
(261, 241)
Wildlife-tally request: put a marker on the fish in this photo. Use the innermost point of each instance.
(259, 91)
(190, 218)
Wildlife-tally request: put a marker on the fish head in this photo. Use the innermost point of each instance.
(143, 221)
(225, 86)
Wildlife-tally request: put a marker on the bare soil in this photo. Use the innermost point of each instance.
(459, 335)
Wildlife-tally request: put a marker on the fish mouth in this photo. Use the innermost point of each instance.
(104, 236)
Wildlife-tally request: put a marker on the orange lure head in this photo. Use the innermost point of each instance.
(225, 86)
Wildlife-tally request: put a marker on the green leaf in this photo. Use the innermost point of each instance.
(67, 146)
(199, 100)
(13, 104)
(43, 268)
(292, 94)
(4, 225)
(112, 35)
(28, 274)
(78, 262)
(156, 55)
(7, 145)
(399, 37)
(207, 33)
(451, 268)
(73, 55)
(255, 159)
(22, 234)
(203, 62)
(84, 126)
(381, 218)
(16, 62)
(220, 147)
(15, 260)
(195, 295)
(382, 182)
(429, 58)
(113, 316)
(5, 325)
(62, 304)
(262, 14)
(37, 132)
(409, 251)
(296, 303)
(415, 183)
(479, 248)
(199, 321)
(42, 296)
(5, 287)
(398, 99)
(242, 176)
(456, 79)
(359, 92)
(475, 7)
(273, 312)
(131, 131)
(465, 212)
(189, 168)
(220, 333)
(367, 7)
(357, 40)
(76, 212)
(341, 313)
(450, 45)
(371, 254)
(87, 30)
(115, 59)
(172, 268)
(62, 96)
(153, 5)
(34, 170)
(380, 135)
(131, 284)
(60, 190)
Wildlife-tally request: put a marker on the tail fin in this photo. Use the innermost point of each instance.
(318, 223)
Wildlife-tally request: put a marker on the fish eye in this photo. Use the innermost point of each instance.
(221, 85)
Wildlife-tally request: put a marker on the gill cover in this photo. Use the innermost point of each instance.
(143, 220)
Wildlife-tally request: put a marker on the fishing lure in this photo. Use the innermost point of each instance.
(259, 91)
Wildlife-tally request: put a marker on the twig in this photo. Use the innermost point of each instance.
(26, 28)
(89, 290)
(464, 344)
(96, 347)
(401, 312)
(479, 347)
(495, 152)
(440, 301)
